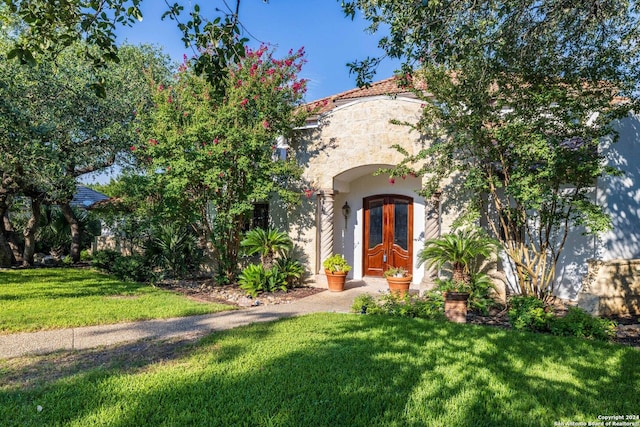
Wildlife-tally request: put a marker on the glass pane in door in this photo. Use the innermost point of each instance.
(401, 224)
(375, 223)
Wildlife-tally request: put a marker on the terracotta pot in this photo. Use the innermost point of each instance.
(455, 306)
(336, 280)
(399, 285)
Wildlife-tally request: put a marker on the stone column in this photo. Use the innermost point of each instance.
(326, 226)
(431, 231)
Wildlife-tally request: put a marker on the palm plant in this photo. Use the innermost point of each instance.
(460, 251)
(174, 247)
(266, 243)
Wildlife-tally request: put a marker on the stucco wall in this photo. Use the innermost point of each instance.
(620, 195)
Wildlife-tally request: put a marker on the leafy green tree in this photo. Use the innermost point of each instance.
(55, 131)
(51, 27)
(517, 95)
(212, 155)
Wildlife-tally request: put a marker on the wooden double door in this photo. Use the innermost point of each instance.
(388, 233)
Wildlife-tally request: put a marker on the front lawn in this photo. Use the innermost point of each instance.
(51, 298)
(345, 370)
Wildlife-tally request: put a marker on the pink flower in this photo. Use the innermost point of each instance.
(153, 142)
(185, 114)
(169, 100)
(392, 181)
(221, 174)
(133, 148)
(308, 193)
(244, 102)
(265, 124)
(215, 141)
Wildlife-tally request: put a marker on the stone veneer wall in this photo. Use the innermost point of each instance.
(612, 288)
(351, 136)
(360, 134)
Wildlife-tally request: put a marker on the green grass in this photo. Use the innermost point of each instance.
(39, 299)
(347, 370)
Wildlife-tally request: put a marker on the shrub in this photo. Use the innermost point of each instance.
(85, 255)
(131, 268)
(428, 307)
(579, 323)
(529, 313)
(255, 279)
(364, 303)
(292, 269)
(481, 296)
(252, 279)
(174, 249)
(105, 259)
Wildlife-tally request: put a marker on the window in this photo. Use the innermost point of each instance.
(260, 217)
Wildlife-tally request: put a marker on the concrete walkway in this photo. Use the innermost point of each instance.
(21, 344)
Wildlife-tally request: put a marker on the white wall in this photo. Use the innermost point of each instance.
(620, 195)
(349, 241)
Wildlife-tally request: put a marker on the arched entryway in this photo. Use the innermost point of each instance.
(388, 233)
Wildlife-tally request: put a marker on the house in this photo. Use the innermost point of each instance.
(374, 220)
(85, 197)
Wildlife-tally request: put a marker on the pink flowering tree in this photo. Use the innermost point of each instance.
(212, 154)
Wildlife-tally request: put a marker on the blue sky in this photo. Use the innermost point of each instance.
(330, 40)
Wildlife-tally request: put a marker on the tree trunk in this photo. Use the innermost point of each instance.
(12, 239)
(6, 255)
(72, 219)
(30, 232)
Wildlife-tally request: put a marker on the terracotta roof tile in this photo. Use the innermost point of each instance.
(387, 86)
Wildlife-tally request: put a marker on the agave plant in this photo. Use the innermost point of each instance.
(267, 243)
(459, 251)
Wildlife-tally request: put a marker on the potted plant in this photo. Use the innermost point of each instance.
(399, 280)
(456, 299)
(336, 269)
(460, 252)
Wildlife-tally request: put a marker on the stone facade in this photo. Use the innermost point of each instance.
(341, 152)
(612, 288)
(358, 134)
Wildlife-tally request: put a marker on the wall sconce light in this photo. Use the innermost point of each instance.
(346, 211)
